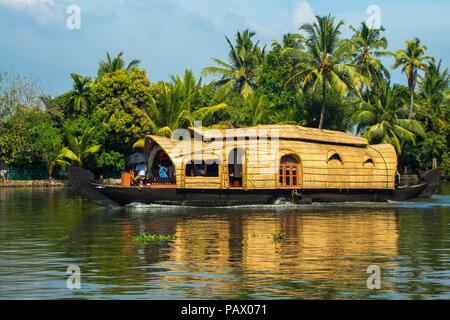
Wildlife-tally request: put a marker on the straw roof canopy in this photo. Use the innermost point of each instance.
(290, 132)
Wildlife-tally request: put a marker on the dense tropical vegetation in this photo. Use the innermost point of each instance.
(312, 78)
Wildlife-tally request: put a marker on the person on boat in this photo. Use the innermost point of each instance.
(235, 175)
(162, 171)
(200, 169)
(140, 171)
(170, 170)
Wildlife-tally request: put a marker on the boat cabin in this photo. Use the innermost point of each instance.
(268, 157)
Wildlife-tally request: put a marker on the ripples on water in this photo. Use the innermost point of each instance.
(222, 253)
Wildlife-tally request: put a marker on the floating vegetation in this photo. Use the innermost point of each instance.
(280, 236)
(153, 238)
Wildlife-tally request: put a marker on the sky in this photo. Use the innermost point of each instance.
(39, 39)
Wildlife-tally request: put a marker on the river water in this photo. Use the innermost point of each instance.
(222, 253)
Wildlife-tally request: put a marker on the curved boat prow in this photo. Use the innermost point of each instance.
(81, 179)
(432, 179)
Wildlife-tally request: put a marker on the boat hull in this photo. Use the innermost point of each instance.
(230, 197)
(82, 182)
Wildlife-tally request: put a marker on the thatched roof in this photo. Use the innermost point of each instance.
(290, 132)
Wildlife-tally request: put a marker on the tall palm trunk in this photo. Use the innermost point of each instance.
(412, 103)
(322, 113)
(410, 112)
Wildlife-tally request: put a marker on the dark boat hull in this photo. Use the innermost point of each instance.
(82, 182)
(230, 197)
(432, 178)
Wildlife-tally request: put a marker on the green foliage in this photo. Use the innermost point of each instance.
(445, 164)
(280, 236)
(178, 105)
(386, 119)
(113, 65)
(273, 77)
(112, 160)
(245, 58)
(79, 149)
(325, 63)
(411, 60)
(152, 238)
(367, 45)
(120, 98)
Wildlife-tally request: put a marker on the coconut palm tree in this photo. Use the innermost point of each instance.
(57, 160)
(79, 99)
(259, 109)
(176, 106)
(111, 65)
(368, 46)
(385, 120)
(79, 150)
(245, 60)
(291, 40)
(326, 60)
(412, 60)
(433, 87)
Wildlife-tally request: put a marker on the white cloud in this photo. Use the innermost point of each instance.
(260, 29)
(21, 4)
(303, 13)
(42, 11)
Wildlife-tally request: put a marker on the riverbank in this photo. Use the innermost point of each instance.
(46, 183)
(33, 183)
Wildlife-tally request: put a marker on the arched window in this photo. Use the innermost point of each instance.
(290, 171)
(368, 162)
(334, 157)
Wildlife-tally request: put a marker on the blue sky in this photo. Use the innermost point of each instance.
(169, 36)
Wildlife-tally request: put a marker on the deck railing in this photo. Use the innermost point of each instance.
(157, 180)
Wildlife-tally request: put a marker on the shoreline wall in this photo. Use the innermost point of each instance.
(33, 183)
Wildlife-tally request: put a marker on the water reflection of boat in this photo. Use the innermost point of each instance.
(319, 246)
(258, 166)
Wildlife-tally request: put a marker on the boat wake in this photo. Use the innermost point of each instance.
(281, 204)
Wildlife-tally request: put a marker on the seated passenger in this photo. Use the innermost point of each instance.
(200, 169)
(162, 171)
(170, 170)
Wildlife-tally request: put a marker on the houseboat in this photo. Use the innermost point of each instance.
(258, 165)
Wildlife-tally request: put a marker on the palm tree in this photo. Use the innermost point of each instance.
(411, 60)
(259, 109)
(57, 160)
(325, 61)
(368, 45)
(111, 65)
(433, 88)
(291, 40)
(245, 60)
(288, 115)
(79, 150)
(176, 105)
(385, 120)
(78, 99)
